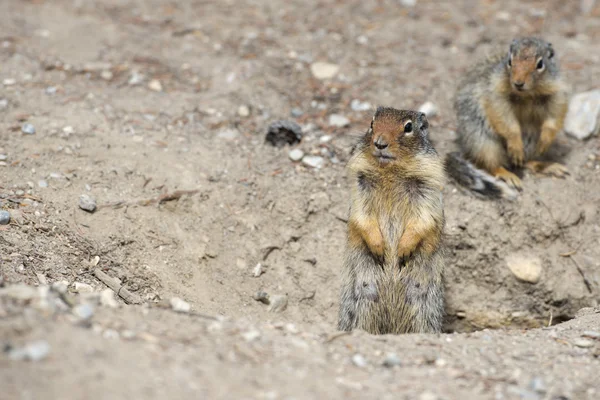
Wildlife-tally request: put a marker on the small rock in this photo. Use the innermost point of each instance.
(3, 104)
(362, 39)
(278, 302)
(339, 121)
(243, 111)
(525, 268)
(155, 85)
(42, 183)
(228, 134)
(429, 109)
(284, 132)
(537, 385)
(3, 157)
(391, 360)
(60, 287)
(359, 360)
(323, 70)
(313, 161)
(583, 343)
(9, 82)
(50, 90)
(428, 396)
(87, 203)
(251, 336)
(179, 305)
(296, 155)
(591, 335)
(296, 112)
(107, 75)
(107, 299)
(357, 105)
(34, 351)
(135, 78)
(41, 278)
(261, 296)
(325, 139)
(583, 117)
(408, 3)
(68, 130)
(4, 217)
(28, 129)
(257, 271)
(80, 287)
(84, 311)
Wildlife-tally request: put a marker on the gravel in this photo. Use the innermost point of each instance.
(87, 203)
(391, 360)
(179, 305)
(338, 121)
(4, 217)
(313, 161)
(34, 351)
(28, 129)
(359, 360)
(278, 304)
(296, 154)
(323, 70)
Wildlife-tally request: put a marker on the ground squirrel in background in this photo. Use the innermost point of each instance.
(509, 109)
(392, 275)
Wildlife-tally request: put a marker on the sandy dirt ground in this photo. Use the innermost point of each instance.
(158, 111)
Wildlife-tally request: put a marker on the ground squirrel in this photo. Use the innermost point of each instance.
(392, 276)
(509, 109)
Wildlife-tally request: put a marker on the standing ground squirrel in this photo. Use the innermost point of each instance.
(509, 109)
(392, 277)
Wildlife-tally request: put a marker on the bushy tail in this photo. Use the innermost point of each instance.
(478, 181)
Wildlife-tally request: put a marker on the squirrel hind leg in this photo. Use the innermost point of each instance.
(548, 168)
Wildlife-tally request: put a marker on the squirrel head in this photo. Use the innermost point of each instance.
(530, 62)
(395, 135)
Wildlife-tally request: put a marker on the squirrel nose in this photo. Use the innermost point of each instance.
(380, 143)
(519, 85)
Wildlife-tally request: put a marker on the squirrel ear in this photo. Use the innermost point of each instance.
(550, 50)
(423, 122)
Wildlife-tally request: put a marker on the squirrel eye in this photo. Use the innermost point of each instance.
(408, 127)
(540, 65)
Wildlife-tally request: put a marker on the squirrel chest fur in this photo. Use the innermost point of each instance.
(392, 278)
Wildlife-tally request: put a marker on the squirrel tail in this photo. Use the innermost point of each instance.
(478, 181)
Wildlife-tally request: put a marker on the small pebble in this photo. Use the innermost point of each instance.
(107, 299)
(537, 385)
(28, 129)
(3, 104)
(325, 138)
(84, 311)
(338, 121)
(391, 360)
(80, 287)
(179, 305)
(323, 70)
(34, 351)
(42, 183)
(358, 105)
(429, 109)
(313, 161)
(251, 336)
(278, 302)
(257, 271)
(296, 154)
(87, 203)
(244, 111)
(69, 130)
(583, 343)
(228, 134)
(50, 90)
(525, 267)
(9, 82)
(296, 112)
(106, 75)
(591, 335)
(4, 217)
(408, 3)
(262, 296)
(3, 157)
(135, 79)
(359, 360)
(155, 85)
